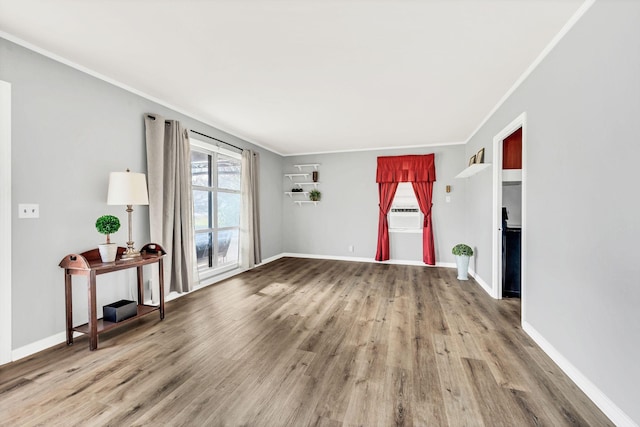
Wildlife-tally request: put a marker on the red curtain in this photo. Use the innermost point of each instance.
(415, 168)
(386, 191)
(420, 170)
(423, 192)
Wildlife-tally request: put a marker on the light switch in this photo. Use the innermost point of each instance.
(447, 199)
(28, 210)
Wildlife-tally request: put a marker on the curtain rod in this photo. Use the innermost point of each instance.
(206, 136)
(216, 139)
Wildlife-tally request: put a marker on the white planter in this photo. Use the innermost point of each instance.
(462, 261)
(108, 251)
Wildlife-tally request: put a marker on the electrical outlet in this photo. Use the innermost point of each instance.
(28, 210)
(350, 248)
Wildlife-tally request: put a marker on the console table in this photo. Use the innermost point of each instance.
(90, 265)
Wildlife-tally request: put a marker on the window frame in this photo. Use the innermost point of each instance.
(213, 151)
(405, 198)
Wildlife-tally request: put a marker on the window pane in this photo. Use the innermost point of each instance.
(405, 196)
(203, 250)
(227, 247)
(201, 205)
(215, 178)
(200, 173)
(228, 173)
(228, 209)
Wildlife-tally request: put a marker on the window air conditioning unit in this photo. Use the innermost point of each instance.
(405, 218)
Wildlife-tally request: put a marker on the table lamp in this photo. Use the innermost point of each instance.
(128, 188)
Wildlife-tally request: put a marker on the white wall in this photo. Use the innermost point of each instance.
(69, 131)
(582, 288)
(348, 213)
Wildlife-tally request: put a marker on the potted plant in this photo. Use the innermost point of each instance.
(463, 253)
(108, 224)
(314, 195)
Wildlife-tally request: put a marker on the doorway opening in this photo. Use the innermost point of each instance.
(509, 213)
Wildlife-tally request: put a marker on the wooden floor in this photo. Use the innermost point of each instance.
(301, 342)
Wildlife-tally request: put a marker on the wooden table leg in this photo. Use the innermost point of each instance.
(161, 279)
(140, 286)
(68, 300)
(93, 317)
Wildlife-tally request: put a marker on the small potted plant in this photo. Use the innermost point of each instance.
(108, 224)
(314, 195)
(463, 253)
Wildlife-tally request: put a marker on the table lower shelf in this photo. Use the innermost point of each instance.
(104, 325)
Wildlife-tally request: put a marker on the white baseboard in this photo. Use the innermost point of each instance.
(271, 259)
(364, 259)
(43, 344)
(446, 264)
(610, 409)
(484, 285)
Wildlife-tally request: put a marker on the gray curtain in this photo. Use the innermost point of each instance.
(250, 252)
(170, 198)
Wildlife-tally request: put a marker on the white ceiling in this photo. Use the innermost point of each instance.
(303, 76)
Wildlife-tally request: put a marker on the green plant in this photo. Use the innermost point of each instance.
(107, 224)
(314, 195)
(462, 249)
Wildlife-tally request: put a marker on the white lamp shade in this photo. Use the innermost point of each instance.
(127, 188)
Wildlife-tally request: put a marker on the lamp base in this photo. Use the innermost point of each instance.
(130, 252)
(128, 255)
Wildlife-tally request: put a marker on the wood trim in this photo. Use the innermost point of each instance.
(496, 258)
(5, 223)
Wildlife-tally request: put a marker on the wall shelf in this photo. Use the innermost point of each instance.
(473, 169)
(294, 175)
(308, 165)
(303, 181)
(292, 193)
(300, 184)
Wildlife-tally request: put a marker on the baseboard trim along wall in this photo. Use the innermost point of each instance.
(363, 259)
(484, 285)
(271, 259)
(43, 344)
(610, 409)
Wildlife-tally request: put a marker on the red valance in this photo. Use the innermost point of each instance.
(412, 168)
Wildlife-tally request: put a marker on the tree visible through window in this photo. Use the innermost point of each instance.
(216, 201)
